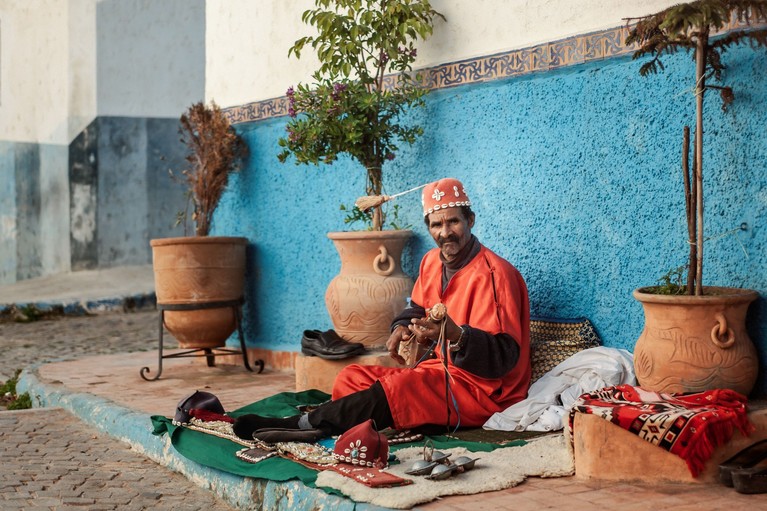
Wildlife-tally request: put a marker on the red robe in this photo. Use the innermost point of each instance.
(489, 294)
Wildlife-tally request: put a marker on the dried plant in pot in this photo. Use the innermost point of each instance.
(695, 337)
(202, 269)
(356, 106)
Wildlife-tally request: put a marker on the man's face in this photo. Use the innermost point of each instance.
(450, 230)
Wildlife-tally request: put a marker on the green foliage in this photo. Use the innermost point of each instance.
(29, 313)
(356, 215)
(345, 117)
(350, 108)
(8, 395)
(22, 402)
(683, 26)
(395, 220)
(9, 387)
(673, 282)
(693, 27)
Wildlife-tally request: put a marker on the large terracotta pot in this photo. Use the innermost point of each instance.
(196, 270)
(696, 343)
(371, 288)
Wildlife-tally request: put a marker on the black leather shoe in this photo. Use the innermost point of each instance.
(751, 480)
(329, 345)
(745, 459)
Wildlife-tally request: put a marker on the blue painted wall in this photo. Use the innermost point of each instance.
(575, 178)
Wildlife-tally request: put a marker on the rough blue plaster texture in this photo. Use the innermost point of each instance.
(7, 212)
(575, 178)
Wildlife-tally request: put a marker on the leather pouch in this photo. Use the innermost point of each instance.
(200, 400)
(274, 435)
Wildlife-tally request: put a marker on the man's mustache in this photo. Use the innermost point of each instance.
(450, 238)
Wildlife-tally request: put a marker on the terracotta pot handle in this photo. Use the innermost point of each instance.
(720, 330)
(383, 258)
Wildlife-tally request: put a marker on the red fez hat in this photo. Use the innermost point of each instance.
(443, 194)
(362, 445)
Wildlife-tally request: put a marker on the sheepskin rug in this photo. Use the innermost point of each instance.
(548, 456)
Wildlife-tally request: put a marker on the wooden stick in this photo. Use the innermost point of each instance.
(373, 201)
(689, 209)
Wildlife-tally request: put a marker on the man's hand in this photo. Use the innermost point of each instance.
(426, 331)
(399, 335)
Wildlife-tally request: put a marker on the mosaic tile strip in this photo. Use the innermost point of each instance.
(543, 57)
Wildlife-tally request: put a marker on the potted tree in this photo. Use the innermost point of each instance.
(694, 336)
(200, 270)
(354, 106)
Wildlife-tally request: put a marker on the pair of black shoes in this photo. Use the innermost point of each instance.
(329, 345)
(747, 470)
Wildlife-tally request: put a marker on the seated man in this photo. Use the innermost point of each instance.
(486, 348)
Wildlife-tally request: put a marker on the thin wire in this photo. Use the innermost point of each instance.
(725, 234)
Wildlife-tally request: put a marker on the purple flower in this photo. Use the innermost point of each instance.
(291, 110)
(389, 156)
(338, 89)
(290, 92)
(383, 57)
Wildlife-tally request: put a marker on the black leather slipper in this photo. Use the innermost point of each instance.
(274, 435)
(745, 459)
(751, 480)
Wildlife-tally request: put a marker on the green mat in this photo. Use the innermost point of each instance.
(219, 453)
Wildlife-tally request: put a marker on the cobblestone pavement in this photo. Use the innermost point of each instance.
(72, 337)
(53, 461)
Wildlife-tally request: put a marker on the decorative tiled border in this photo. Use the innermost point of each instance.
(543, 57)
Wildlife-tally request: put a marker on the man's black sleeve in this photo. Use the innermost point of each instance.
(404, 317)
(487, 355)
(483, 354)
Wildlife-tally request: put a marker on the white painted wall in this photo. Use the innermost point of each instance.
(247, 46)
(34, 45)
(63, 62)
(247, 41)
(81, 94)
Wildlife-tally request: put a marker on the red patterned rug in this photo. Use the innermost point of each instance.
(688, 425)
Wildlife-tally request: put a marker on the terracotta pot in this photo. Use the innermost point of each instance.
(195, 270)
(696, 343)
(371, 288)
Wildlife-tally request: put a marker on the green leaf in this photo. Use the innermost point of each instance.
(339, 115)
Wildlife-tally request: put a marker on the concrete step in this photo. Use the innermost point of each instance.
(608, 452)
(318, 373)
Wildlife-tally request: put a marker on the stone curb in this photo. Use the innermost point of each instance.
(139, 301)
(134, 428)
